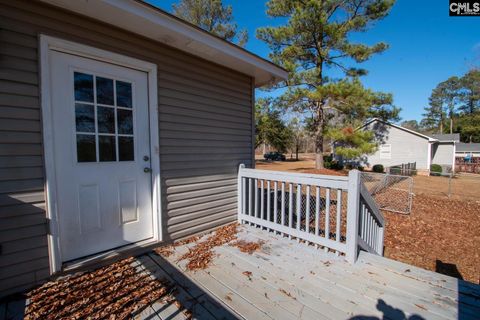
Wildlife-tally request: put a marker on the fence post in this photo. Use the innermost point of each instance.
(353, 210)
(240, 195)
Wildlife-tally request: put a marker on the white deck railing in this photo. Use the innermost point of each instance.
(329, 211)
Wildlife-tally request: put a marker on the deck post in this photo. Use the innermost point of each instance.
(353, 211)
(240, 193)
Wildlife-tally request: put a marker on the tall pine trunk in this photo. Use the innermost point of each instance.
(319, 139)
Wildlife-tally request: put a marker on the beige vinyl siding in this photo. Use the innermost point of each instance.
(205, 124)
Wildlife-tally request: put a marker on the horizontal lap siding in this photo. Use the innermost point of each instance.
(205, 117)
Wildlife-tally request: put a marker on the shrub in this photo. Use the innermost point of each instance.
(334, 165)
(378, 168)
(436, 168)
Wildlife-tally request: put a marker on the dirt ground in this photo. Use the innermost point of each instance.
(441, 234)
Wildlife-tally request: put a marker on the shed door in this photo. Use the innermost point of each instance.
(101, 149)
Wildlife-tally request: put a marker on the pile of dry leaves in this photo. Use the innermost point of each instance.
(201, 255)
(440, 234)
(247, 246)
(115, 291)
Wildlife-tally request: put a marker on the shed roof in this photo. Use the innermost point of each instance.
(447, 137)
(468, 147)
(399, 127)
(151, 22)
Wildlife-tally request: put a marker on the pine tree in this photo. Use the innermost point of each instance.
(443, 104)
(469, 92)
(212, 16)
(316, 37)
(269, 126)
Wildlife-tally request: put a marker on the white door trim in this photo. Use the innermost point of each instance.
(48, 44)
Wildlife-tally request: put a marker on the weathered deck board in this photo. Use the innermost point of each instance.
(368, 282)
(290, 280)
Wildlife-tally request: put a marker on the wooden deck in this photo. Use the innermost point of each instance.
(290, 280)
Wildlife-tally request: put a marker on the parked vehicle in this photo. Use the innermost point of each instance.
(274, 156)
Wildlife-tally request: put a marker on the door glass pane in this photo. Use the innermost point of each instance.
(106, 148)
(125, 121)
(83, 84)
(104, 90)
(124, 94)
(86, 148)
(126, 149)
(84, 118)
(106, 120)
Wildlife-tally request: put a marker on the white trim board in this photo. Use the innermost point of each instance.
(48, 44)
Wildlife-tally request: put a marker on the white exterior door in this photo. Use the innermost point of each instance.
(101, 143)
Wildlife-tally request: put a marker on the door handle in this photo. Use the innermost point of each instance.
(147, 170)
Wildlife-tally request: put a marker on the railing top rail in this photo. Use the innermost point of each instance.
(371, 204)
(337, 182)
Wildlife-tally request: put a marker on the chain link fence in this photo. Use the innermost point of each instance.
(391, 192)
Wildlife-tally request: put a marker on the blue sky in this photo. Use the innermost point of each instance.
(426, 47)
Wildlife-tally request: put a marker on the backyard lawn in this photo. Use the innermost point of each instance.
(441, 234)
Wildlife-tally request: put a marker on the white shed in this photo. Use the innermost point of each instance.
(398, 145)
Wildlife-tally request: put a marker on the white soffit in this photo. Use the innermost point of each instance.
(148, 21)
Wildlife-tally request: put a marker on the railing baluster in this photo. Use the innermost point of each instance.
(290, 207)
(256, 197)
(262, 213)
(367, 239)
(370, 228)
(317, 210)
(275, 201)
(250, 196)
(269, 212)
(327, 215)
(283, 204)
(244, 195)
(339, 216)
(307, 211)
(364, 226)
(299, 206)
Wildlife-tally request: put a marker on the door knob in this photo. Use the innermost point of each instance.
(147, 170)
(146, 158)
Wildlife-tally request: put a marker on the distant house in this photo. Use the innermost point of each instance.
(467, 149)
(398, 145)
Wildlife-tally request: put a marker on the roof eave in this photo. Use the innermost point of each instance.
(146, 20)
(430, 139)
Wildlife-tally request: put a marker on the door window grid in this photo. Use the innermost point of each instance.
(126, 139)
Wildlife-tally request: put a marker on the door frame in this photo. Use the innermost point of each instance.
(48, 44)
